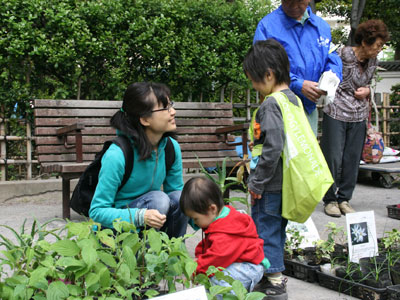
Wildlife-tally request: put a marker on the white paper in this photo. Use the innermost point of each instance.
(361, 235)
(197, 293)
(328, 82)
(307, 229)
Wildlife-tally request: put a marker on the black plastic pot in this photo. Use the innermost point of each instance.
(350, 272)
(395, 273)
(375, 271)
(311, 259)
(339, 254)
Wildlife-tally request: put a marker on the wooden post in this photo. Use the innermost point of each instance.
(248, 106)
(386, 118)
(3, 153)
(28, 151)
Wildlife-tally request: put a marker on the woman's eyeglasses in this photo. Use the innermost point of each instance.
(169, 106)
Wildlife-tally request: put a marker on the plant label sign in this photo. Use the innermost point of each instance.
(361, 235)
(197, 293)
(306, 229)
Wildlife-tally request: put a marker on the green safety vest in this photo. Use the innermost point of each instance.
(306, 176)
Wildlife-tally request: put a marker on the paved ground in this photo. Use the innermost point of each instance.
(368, 195)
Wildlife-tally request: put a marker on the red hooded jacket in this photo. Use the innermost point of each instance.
(228, 240)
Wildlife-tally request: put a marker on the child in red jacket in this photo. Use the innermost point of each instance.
(231, 240)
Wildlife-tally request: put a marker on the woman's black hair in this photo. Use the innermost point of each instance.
(265, 57)
(198, 194)
(139, 100)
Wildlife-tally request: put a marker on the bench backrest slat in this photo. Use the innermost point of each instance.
(196, 124)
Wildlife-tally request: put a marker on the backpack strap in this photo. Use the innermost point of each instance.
(124, 143)
(169, 154)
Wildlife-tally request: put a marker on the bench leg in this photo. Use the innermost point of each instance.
(66, 198)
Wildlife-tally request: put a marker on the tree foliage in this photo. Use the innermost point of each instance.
(386, 10)
(93, 49)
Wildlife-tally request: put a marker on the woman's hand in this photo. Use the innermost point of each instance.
(362, 93)
(154, 219)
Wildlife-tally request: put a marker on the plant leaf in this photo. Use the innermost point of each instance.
(91, 279)
(57, 290)
(190, 268)
(255, 296)
(38, 275)
(74, 290)
(129, 258)
(154, 240)
(89, 254)
(239, 289)
(105, 277)
(124, 273)
(66, 248)
(107, 259)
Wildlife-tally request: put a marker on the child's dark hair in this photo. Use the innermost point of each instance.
(139, 100)
(265, 57)
(198, 194)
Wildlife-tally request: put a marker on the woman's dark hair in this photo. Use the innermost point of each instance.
(265, 57)
(139, 100)
(369, 31)
(198, 194)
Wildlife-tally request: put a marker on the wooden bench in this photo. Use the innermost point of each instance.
(68, 134)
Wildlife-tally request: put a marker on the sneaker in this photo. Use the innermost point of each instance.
(345, 208)
(276, 292)
(332, 209)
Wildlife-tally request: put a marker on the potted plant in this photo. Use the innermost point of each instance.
(227, 182)
(391, 247)
(80, 262)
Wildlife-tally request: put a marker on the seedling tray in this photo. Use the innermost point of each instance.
(301, 271)
(393, 292)
(353, 289)
(393, 211)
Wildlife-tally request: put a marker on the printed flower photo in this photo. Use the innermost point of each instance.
(359, 233)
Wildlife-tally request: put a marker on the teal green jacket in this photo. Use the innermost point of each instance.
(147, 175)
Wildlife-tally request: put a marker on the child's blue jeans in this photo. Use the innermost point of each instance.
(271, 227)
(247, 273)
(166, 204)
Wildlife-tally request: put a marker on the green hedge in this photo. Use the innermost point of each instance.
(92, 49)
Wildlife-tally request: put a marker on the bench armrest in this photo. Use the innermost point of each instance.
(77, 130)
(68, 129)
(229, 129)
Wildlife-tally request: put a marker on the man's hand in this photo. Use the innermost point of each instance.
(311, 91)
(362, 93)
(154, 219)
(254, 197)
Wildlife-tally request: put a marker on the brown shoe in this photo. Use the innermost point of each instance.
(332, 209)
(345, 208)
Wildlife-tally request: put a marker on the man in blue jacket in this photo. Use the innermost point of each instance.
(307, 41)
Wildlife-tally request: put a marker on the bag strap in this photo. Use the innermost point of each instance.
(124, 143)
(169, 154)
(372, 103)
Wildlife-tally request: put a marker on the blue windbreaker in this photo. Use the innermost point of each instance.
(306, 45)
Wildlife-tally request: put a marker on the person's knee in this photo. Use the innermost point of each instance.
(161, 202)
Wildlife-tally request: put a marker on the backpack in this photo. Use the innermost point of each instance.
(86, 186)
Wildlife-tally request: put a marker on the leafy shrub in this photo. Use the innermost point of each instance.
(79, 262)
(93, 49)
